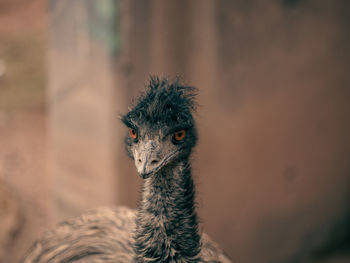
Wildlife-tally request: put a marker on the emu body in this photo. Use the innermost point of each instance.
(160, 138)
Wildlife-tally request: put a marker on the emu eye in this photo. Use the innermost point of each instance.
(179, 135)
(133, 133)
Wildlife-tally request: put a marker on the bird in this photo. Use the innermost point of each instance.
(160, 137)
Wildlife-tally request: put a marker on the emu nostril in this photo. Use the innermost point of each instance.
(154, 162)
(139, 160)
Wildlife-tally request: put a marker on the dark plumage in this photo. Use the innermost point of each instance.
(161, 136)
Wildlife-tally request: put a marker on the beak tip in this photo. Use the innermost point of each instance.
(145, 175)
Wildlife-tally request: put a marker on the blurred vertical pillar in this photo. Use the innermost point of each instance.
(83, 39)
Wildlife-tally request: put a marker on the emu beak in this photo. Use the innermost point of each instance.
(148, 158)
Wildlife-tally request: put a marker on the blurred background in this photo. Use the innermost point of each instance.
(272, 167)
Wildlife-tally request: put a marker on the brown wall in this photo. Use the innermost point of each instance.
(272, 164)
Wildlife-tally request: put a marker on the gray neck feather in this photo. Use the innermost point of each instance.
(166, 224)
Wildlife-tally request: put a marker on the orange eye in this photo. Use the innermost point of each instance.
(180, 135)
(132, 133)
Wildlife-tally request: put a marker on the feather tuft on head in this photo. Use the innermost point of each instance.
(163, 103)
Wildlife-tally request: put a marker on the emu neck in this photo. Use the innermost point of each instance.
(166, 224)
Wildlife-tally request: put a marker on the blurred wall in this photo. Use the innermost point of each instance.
(272, 164)
(24, 185)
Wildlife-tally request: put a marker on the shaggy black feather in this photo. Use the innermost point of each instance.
(163, 104)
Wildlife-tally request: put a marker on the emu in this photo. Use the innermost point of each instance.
(161, 134)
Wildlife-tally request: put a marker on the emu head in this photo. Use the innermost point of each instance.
(161, 128)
